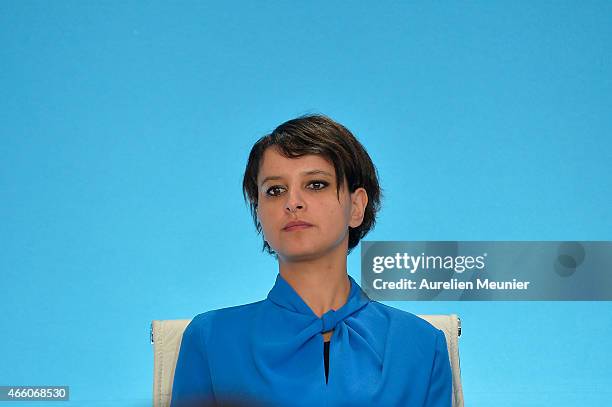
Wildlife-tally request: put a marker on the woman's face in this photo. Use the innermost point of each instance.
(303, 190)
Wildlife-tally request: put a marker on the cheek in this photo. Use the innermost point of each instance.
(339, 214)
(265, 215)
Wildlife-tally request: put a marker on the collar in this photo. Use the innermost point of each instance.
(283, 295)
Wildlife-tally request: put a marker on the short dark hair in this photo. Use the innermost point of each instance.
(319, 135)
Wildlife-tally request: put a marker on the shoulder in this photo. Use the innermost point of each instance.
(222, 319)
(408, 325)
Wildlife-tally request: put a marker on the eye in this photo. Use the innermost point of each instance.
(274, 190)
(317, 185)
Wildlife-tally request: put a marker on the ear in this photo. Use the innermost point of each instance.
(359, 201)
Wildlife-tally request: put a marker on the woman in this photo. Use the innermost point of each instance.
(317, 339)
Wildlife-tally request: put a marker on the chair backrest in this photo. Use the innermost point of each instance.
(166, 338)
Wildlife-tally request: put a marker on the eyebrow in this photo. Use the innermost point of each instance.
(306, 173)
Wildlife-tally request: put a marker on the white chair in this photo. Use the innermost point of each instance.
(166, 338)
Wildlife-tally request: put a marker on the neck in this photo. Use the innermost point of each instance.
(322, 283)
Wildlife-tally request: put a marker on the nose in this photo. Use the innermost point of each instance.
(294, 202)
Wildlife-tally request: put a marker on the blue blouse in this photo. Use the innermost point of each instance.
(270, 353)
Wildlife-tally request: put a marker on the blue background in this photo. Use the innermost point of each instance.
(125, 128)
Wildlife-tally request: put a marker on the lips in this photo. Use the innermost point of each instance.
(296, 225)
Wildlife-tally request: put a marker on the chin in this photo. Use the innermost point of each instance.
(298, 254)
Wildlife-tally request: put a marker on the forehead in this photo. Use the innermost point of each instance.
(274, 164)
